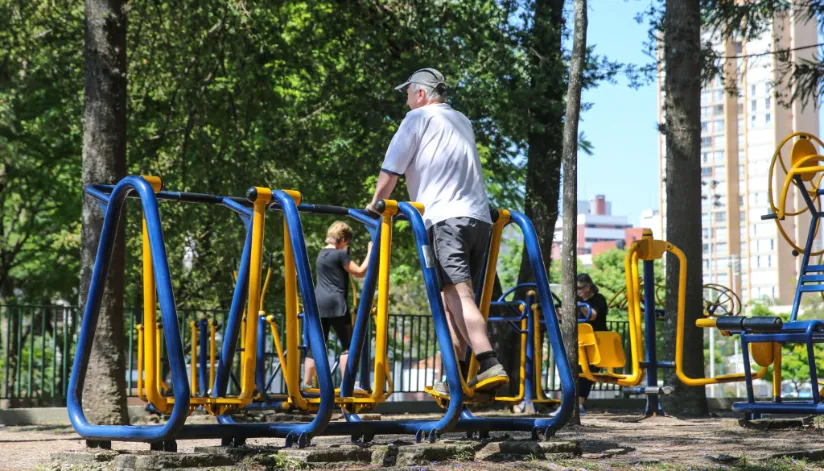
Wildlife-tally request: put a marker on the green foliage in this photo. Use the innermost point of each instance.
(226, 95)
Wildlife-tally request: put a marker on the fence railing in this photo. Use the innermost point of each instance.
(38, 343)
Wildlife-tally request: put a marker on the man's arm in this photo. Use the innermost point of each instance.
(386, 183)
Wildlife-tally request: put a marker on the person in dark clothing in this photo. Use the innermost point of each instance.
(333, 268)
(588, 293)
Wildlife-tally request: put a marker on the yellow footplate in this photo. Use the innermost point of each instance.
(480, 397)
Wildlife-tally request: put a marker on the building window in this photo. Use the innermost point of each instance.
(752, 120)
(740, 109)
(705, 126)
(720, 217)
(741, 175)
(767, 118)
(752, 90)
(753, 105)
(767, 103)
(705, 98)
(719, 125)
(719, 156)
(706, 142)
(719, 109)
(719, 171)
(719, 95)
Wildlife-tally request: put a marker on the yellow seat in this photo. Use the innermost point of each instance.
(763, 353)
(588, 344)
(610, 349)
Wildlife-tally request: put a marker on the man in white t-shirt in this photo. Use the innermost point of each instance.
(434, 148)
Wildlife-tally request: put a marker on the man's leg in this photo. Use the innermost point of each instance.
(459, 342)
(470, 322)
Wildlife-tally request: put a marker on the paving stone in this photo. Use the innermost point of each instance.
(514, 449)
(812, 455)
(384, 455)
(89, 459)
(560, 447)
(333, 454)
(424, 453)
(773, 424)
(238, 452)
(161, 460)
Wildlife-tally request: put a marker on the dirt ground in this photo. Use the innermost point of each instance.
(610, 441)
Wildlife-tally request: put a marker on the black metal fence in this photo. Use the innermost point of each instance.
(38, 343)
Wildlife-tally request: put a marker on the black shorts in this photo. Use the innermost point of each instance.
(343, 329)
(460, 247)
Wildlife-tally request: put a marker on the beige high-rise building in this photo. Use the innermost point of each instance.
(738, 137)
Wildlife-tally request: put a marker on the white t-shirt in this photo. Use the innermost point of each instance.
(434, 148)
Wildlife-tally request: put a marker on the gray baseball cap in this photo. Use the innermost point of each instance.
(429, 77)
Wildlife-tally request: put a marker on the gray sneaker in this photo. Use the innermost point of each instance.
(497, 374)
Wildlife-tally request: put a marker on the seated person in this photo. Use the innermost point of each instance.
(588, 293)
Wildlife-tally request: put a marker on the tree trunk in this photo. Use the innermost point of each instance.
(543, 168)
(104, 161)
(569, 246)
(544, 149)
(682, 84)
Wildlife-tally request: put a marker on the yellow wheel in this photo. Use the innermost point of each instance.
(720, 301)
(804, 154)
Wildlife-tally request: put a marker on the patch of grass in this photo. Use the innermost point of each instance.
(286, 463)
(464, 455)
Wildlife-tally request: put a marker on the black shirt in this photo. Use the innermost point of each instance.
(598, 303)
(333, 282)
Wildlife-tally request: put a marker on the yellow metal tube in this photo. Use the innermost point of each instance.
(140, 392)
(248, 357)
(634, 317)
(212, 353)
(382, 316)
(284, 367)
(265, 287)
(151, 334)
(776, 369)
(193, 379)
(679, 332)
(489, 283)
(538, 350)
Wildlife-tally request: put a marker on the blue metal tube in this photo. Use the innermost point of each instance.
(232, 329)
(355, 425)
(260, 358)
(550, 319)
(531, 368)
(360, 332)
(203, 376)
(312, 318)
(92, 310)
(653, 406)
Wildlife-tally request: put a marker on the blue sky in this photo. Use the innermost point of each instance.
(622, 121)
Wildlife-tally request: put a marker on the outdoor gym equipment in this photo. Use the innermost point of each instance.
(804, 173)
(158, 288)
(529, 321)
(605, 349)
(290, 364)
